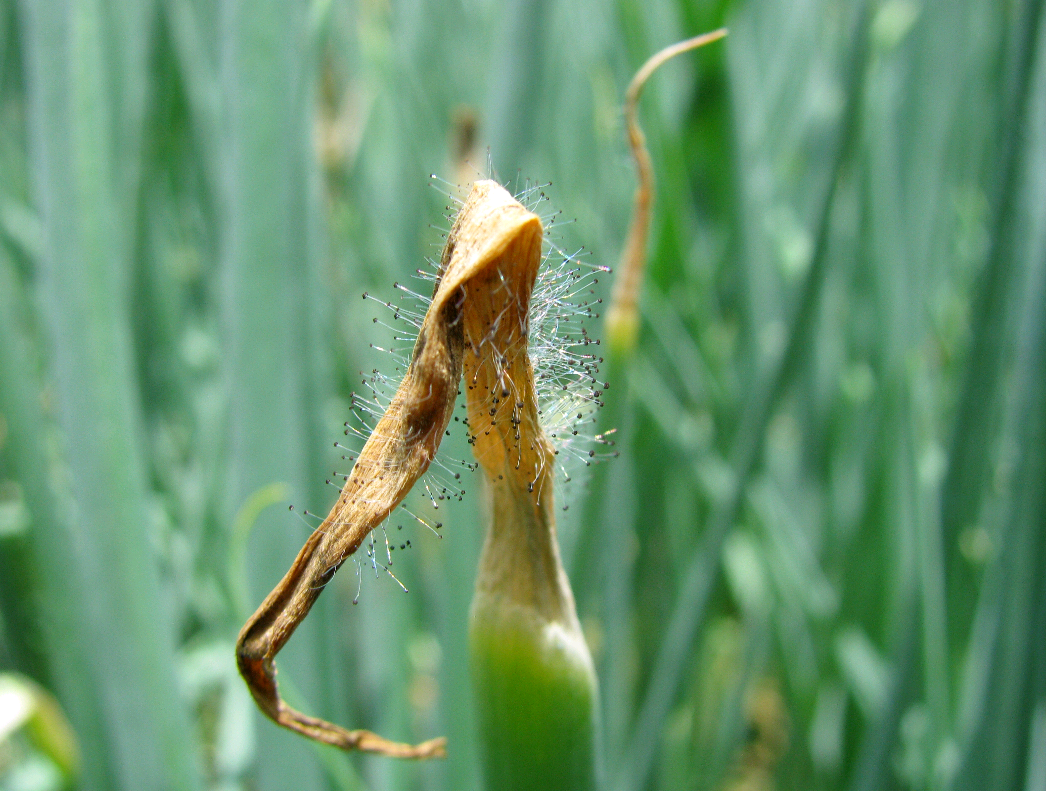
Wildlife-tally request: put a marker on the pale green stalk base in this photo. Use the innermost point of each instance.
(535, 700)
(533, 676)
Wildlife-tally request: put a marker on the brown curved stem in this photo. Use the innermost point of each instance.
(622, 317)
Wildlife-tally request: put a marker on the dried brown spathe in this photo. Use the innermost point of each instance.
(477, 320)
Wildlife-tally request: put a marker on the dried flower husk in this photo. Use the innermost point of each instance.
(492, 250)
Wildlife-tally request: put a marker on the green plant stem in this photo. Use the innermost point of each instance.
(535, 686)
(1006, 680)
(85, 105)
(61, 626)
(702, 572)
(976, 418)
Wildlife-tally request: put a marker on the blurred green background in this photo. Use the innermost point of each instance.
(820, 561)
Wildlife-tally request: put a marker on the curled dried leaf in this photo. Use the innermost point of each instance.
(486, 274)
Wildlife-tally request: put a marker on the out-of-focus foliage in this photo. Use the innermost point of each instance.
(820, 561)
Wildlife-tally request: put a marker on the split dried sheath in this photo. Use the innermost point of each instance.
(491, 228)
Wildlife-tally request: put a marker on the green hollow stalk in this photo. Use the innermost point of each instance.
(534, 681)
